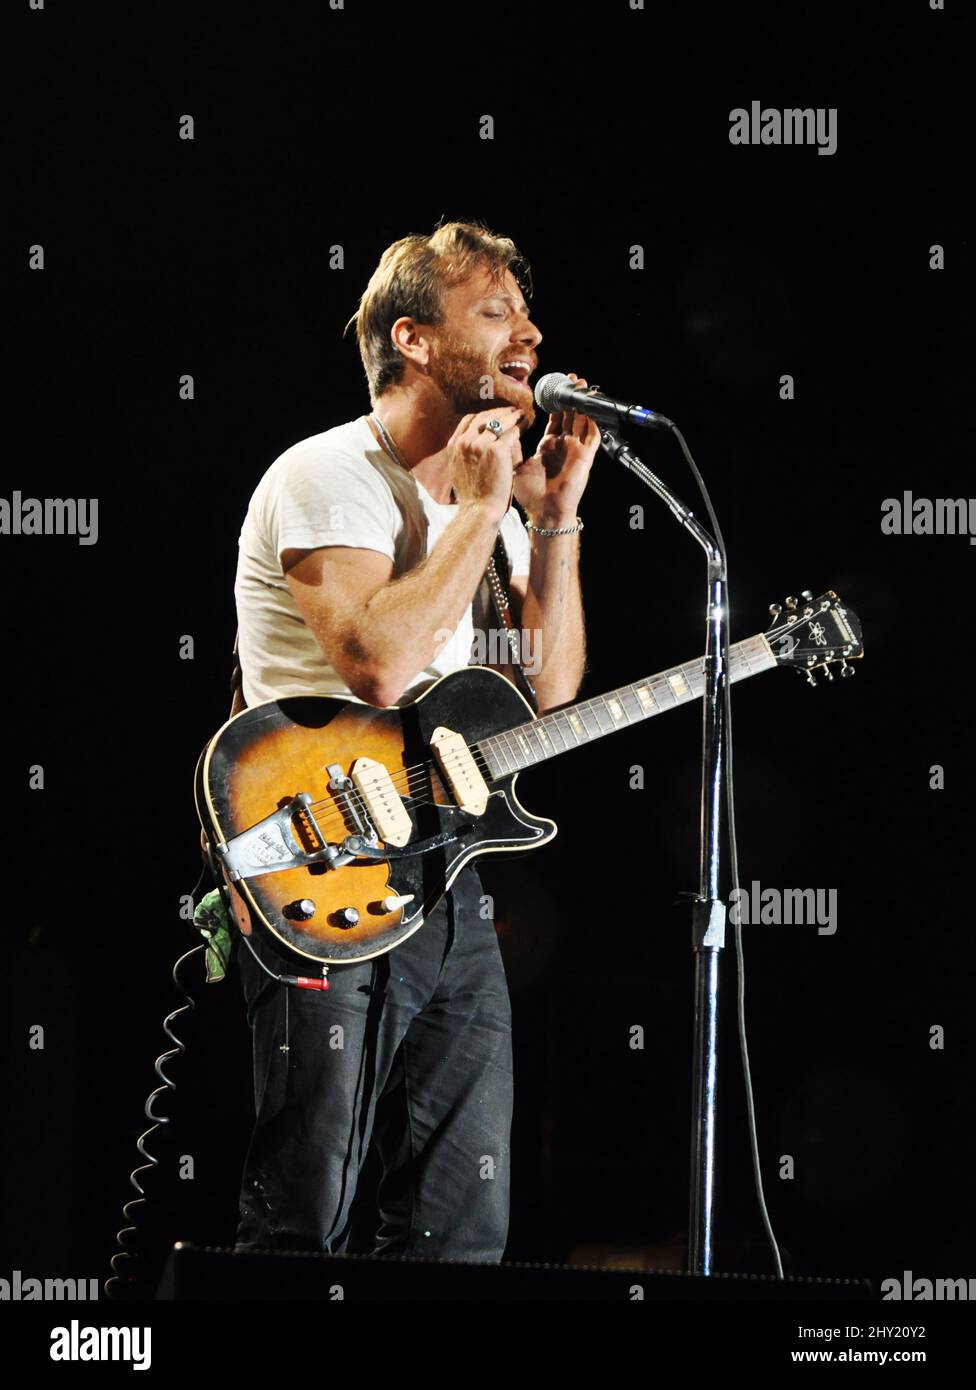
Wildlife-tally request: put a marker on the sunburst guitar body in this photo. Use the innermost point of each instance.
(367, 772)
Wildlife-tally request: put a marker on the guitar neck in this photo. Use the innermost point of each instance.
(562, 729)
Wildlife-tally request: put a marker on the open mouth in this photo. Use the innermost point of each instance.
(519, 369)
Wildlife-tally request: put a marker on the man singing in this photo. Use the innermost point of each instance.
(360, 575)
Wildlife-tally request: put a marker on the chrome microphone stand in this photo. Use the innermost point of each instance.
(708, 908)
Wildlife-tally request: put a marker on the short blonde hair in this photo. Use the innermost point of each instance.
(409, 281)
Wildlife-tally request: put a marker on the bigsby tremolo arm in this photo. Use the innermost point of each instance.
(272, 845)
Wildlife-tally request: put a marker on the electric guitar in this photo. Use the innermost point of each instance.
(341, 824)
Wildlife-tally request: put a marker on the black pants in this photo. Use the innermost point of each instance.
(412, 1050)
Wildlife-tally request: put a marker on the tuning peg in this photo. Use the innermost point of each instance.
(809, 675)
(791, 602)
(807, 594)
(828, 673)
(775, 609)
(846, 670)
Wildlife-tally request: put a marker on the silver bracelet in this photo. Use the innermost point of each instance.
(559, 531)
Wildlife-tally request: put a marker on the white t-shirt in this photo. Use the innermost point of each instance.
(339, 488)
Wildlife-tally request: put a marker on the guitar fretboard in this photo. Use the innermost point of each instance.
(562, 729)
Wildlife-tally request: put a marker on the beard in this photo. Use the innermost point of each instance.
(459, 371)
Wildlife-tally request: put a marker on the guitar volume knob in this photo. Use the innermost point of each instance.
(299, 911)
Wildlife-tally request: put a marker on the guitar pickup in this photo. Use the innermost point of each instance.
(383, 803)
(460, 771)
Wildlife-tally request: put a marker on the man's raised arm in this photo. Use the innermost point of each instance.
(379, 632)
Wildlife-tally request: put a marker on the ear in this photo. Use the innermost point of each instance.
(410, 342)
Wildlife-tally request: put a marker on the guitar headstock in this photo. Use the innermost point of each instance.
(814, 634)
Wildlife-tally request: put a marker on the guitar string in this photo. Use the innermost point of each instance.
(402, 776)
(401, 779)
(741, 658)
(405, 780)
(337, 815)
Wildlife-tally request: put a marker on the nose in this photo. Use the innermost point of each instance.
(527, 334)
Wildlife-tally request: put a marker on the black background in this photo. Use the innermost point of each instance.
(163, 257)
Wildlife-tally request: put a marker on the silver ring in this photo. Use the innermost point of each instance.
(496, 426)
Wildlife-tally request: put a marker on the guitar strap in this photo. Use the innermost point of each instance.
(237, 701)
(497, 578)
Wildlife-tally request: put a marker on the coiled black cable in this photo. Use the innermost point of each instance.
(119, 1278)
(113, 1285)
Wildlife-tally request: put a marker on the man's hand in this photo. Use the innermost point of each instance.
(550, 484)
(483, 463)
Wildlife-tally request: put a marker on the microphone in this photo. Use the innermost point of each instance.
(555, 392)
